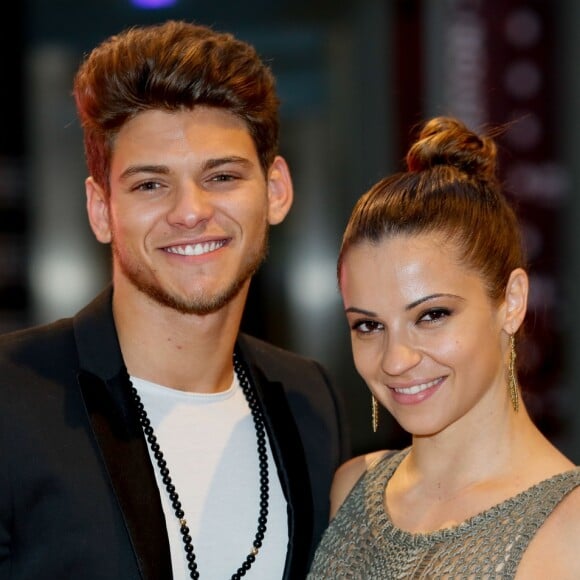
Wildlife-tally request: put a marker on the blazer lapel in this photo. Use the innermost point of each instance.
(105, 387)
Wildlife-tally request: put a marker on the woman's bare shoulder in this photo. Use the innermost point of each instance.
(348, 474)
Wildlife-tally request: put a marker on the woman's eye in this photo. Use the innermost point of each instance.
(366, 326)
(435, 314)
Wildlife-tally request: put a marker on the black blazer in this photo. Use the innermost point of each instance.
(78, 497)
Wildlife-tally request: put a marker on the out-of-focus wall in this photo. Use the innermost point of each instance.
(567, 130)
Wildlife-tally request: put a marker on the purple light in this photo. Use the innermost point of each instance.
(152, 4)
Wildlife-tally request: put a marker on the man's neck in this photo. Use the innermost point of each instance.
(181, 351)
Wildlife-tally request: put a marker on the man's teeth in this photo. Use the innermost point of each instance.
(195, 249)
(417, 388)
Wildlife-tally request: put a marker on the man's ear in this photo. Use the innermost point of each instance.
(516, 300)
(98, 210)
(280, 191)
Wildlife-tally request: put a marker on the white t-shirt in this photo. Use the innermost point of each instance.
(209, 443)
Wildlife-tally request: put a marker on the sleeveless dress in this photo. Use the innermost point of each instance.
(361, 542)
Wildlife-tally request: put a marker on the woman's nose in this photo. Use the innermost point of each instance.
(399, 356)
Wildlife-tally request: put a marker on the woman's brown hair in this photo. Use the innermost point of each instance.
(451, 187)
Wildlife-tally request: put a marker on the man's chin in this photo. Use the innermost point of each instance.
(184, 304)
(202, 301)
(199, 304)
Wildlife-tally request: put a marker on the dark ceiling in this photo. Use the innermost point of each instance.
(86, 22)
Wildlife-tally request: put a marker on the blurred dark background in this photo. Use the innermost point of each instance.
(355, 78)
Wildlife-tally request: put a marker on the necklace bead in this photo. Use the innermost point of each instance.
(258, 419)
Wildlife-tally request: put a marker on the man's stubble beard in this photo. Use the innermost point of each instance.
(201, 304)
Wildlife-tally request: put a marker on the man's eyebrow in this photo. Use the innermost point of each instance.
(213, 163)
(137, 169)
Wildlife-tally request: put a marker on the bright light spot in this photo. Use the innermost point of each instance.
(153, 4)
(313, 285)
(63, 281)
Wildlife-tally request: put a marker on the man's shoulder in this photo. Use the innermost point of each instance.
(58, 338)
(38, 337)
(33, 358)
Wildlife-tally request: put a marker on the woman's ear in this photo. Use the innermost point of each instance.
(516, 300)
(280, 191)
(98, 210)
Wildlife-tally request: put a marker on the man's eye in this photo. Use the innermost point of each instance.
(223, 177)
(147, 186)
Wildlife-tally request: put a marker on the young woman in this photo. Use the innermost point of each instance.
(431, 272)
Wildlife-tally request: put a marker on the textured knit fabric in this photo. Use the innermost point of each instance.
(362, 543)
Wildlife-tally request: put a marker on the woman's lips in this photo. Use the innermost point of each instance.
(417, 392)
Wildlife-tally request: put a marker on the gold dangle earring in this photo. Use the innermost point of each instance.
(374, 414)
(512, 377)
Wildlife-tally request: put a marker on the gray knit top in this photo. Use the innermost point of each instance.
(361, 542)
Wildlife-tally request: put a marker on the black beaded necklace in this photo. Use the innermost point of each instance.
(250, 395)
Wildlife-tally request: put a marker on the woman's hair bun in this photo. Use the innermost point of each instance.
(447, 141)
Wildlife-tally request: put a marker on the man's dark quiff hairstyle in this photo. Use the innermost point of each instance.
(172, 66)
